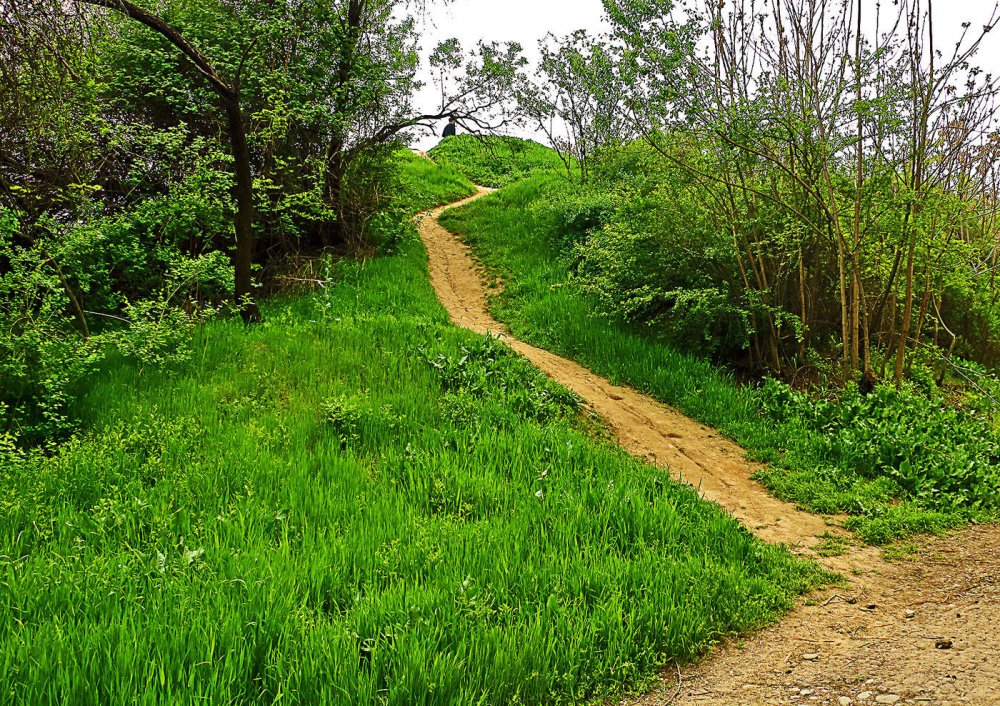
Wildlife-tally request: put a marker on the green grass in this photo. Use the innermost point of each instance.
(875, 458)
(426, 185)
(496, 161)
(357, 503)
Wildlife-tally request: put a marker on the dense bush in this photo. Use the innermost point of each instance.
(66, 300)
(579, 214)
(490, 370)
(642, 244)
(941, 457)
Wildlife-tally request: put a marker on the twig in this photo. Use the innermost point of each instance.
(677, 691)
(107, 316)
(829, 600)
(320, 282)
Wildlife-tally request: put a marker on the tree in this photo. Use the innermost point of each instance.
(576, 98)
(313, 97)
(829, 141)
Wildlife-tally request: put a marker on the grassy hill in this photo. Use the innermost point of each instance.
(357, 503)
(496, 161)
(900, 462)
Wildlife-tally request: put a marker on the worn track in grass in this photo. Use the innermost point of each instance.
(880, 651)
(649, 429)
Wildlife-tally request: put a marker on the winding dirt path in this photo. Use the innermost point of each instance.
(868, 648)
(646, 428)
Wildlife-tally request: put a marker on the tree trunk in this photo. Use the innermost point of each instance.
(243, 192)
(904, 331)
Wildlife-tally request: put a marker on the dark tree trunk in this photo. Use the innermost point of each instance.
(335, 167)
(243, 192)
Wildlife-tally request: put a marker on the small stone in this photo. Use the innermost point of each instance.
(845, 701)
(806, 692)
(870, 607)
(810, 657)
(864, 696)
(908, 614)
(886, 699)
(943, 644)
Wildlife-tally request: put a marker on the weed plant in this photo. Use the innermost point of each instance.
(357, 503)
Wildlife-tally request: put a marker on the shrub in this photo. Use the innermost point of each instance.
(577, 215)
(943, 458)
(489, 369)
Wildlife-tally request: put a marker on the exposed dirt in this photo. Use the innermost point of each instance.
(879, 652)
(952, 587)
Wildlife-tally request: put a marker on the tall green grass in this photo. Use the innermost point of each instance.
(425, 184)
(513, 231)
(357, 503)
(877, 468)
(496, 161)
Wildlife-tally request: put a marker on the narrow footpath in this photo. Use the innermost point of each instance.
(924, 630)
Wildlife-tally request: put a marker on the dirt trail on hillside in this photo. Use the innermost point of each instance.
(924, 630)
(649, 429)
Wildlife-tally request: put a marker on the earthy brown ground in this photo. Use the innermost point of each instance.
(952, 587)
(864, 642)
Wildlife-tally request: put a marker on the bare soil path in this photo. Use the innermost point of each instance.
(862, 653)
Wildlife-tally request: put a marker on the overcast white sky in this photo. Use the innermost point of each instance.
(527, 21)
(523, 21)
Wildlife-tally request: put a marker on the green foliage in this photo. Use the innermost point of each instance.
(298, 513)
(663, 262)
(576, 98)
(874, 249)
(50, 338)
(578, 216)
(495, 161)
(490, 370)
(941, 459)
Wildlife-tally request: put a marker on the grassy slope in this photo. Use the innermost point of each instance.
(426, 185)
(356, 503)
(495, 161)
(512, 231)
